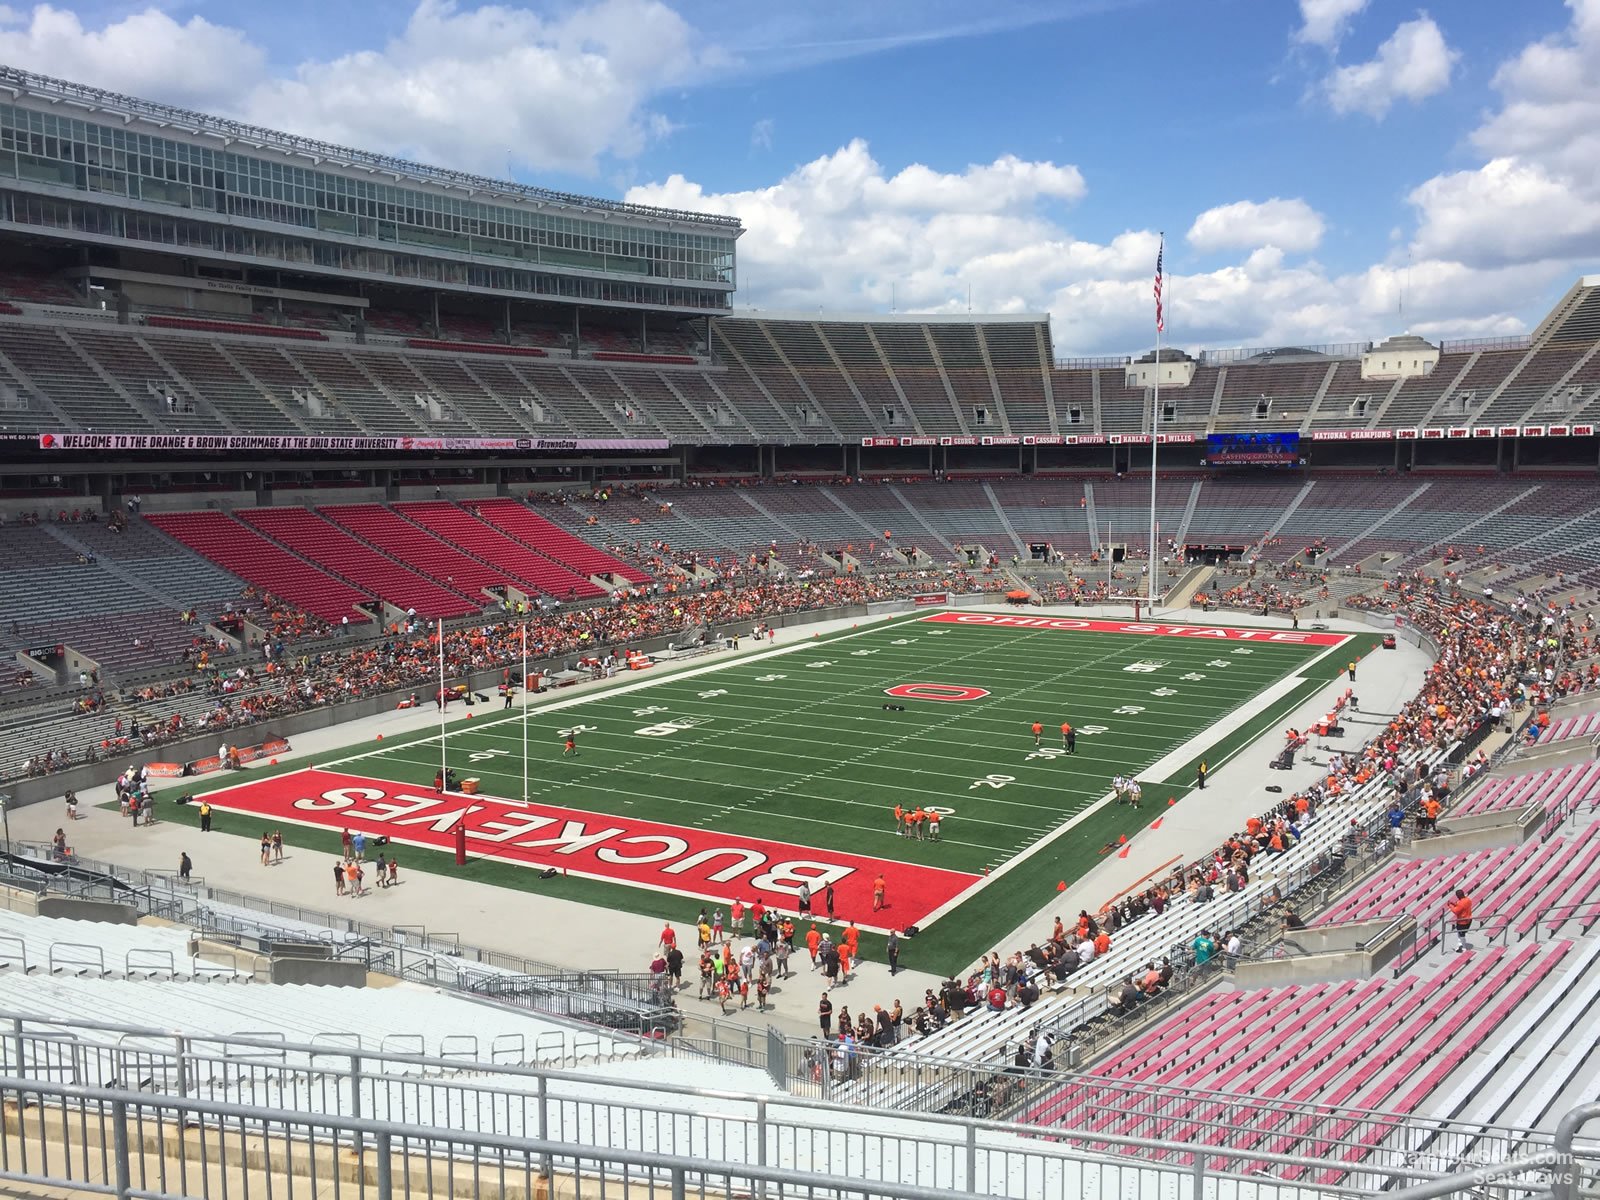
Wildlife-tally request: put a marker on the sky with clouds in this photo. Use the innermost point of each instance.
(1324, 170)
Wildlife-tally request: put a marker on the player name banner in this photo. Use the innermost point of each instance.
(703, 863)
(233, 442)
(931, 598)
(1279, 637)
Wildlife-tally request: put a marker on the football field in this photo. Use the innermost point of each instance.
(746, 778)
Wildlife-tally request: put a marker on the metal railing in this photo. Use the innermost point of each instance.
(72, 1121)
(620, 1001)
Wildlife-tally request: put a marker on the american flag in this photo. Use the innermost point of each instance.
(1160, 254)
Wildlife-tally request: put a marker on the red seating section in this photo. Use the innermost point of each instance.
(271, 568)
(476, 348)
(481, 541)
(206, 325)
(678, 360)
(1212, 1050)
(522, 523)
(321, 542)
(410, 544)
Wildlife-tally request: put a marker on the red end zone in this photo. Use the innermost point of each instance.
(1278, 637)
(669, 858)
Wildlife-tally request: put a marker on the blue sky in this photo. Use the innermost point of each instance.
(1312, 162)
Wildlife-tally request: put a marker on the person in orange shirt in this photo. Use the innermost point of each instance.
(878, 889)
(1069, 738)
(900, 820)
(1461, 909)
(1102, 943)
(919, 823)
(1430, 813)
(1038, 731)
(813, 940)
(851, 940)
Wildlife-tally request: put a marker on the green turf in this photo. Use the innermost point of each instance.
(798, 748)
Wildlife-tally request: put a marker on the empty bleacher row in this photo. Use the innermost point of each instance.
(1396, 1041)
(766, 379)
(1556, 789)
(1512, 886)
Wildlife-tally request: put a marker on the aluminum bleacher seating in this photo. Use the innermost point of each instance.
(803, 347)
(1047, 510)
(977, 394)
(1419, 394)
(1291, 386)
(1339, 509)
(1126, 409)
(910, 360)
(652, 394)
(56, 368)
(1542, 370)
(1019, 355)
(1432, 520)
(1074, 389)
(129, 362)
(1240, 511)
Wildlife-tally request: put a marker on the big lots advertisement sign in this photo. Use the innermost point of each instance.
(694, 862)
(1280, 637)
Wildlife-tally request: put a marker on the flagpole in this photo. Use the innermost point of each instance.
(524, 709)
(1107, 548)
(443, 759)
(1155, 425)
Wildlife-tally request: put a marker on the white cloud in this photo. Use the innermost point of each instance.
(488, 87)
(144, 54)
(478, 87)
(1323, 22)
(1534, 206)
(1509, 210)
(1551, 98)
(841, 231)
(1413, 64)
(761, 134)
(1287, 224)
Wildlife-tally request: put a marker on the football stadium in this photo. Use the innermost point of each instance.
(758, 753)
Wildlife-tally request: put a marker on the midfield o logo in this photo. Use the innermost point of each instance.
(950, 692)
